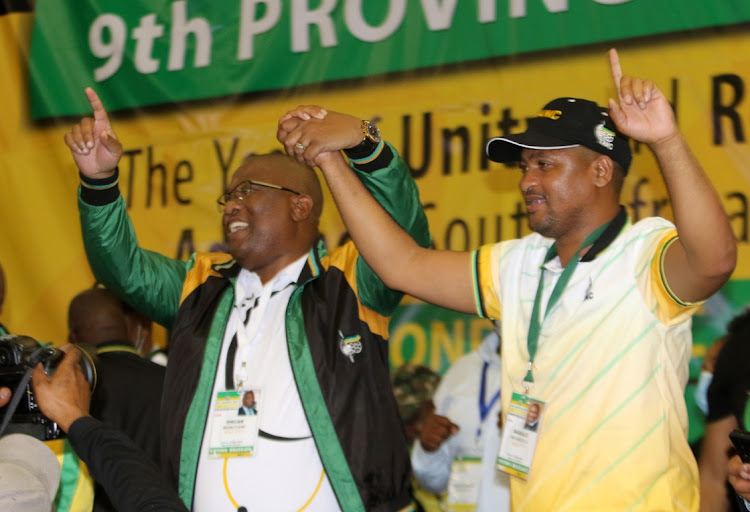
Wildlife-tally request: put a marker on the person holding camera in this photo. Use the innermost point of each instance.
(128, 475)
(21, 415)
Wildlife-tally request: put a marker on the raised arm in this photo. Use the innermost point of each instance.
(705, 255)
(150, 282)
(440, 277)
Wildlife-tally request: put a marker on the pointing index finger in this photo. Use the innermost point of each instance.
(100, 114)
(614, 64)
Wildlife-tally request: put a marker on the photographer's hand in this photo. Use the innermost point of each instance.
(64, 397)
(5, 395)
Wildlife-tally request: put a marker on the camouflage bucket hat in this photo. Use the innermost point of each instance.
(412, 385)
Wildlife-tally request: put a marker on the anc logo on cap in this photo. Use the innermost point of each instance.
(604, 136)
(564, 123)
(550, 114)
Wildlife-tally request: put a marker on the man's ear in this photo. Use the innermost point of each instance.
(603, 168)
(301, 207)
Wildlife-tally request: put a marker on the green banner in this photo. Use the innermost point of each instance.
(428, 335)
(137, 52)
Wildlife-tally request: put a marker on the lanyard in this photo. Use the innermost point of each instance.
(246, 333)
(535, 326)
(484, 409)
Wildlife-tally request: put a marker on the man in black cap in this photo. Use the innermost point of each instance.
(595, 310)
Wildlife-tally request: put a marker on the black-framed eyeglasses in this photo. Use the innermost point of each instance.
(245, 188)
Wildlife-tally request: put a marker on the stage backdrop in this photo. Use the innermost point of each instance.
(194, 86)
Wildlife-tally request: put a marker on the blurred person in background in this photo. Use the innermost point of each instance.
(29, 474)
(414, 387)
(457, 449)
(727, 400)
(126, 474)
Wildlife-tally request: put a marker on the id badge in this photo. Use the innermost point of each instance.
(520, 434)
(463, 485)
(234, 424)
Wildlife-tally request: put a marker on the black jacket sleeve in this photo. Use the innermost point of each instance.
(131, 480)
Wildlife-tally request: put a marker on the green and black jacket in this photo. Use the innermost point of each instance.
(337, 300)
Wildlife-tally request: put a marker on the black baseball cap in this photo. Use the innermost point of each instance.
(565, 123)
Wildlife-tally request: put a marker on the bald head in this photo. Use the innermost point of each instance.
(274, 219)
(96, 316)
(289, 173)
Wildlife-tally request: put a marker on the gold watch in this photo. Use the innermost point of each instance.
(370, 132)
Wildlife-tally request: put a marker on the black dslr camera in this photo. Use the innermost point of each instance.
(19, 355)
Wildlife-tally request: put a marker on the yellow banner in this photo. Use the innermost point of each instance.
(178, 157)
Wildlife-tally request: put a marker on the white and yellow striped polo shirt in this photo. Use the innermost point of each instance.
(612, 365)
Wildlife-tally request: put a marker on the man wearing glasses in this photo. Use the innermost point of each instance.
(303, 328)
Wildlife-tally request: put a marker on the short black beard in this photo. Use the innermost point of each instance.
(546, 227)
